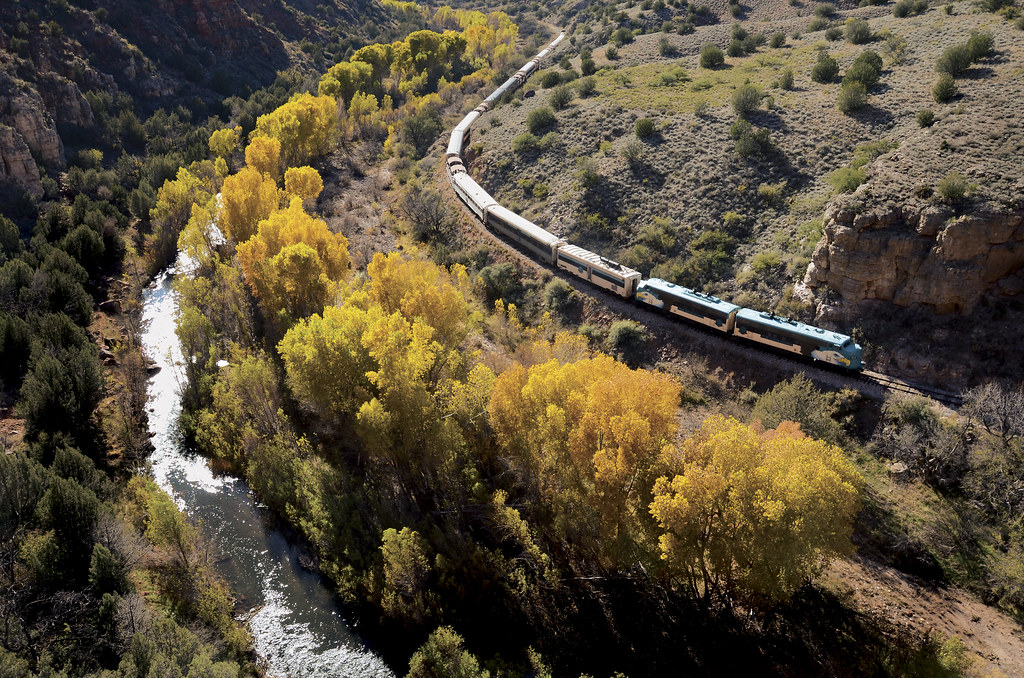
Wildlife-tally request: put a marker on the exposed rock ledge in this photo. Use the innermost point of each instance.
(917, 254)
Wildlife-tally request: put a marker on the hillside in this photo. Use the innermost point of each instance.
(685, 204)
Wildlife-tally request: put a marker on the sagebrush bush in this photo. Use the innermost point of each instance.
(665, 47)
(560, 97)
(858, 31)
(735, 48)
(846, 179)
(833, 33)
(633, 153)
(745, 99)
(645, 128)
(588, 67)
(525, 144)
(550, 79)
(818, 23)
(926, 118)
(825, 10)
(611, 54)
(945, 88)
(586, 86)
(852, 96)
(777, 40)
(786, 79)
(826, 68)
(739, 32)
(711, 56)
(953, 187)
(905, 8)
(979, 45)
(539, 119)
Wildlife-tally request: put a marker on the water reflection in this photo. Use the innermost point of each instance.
(297, 626)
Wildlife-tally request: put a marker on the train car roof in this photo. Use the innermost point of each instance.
(467, 121)
(700, 298)
(525, 225)
(789, 327)
(475, 191)
(599, 262)
(496, 94)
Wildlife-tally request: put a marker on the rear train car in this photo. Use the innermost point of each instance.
(696, 307)
(602, 272)
(796, 337)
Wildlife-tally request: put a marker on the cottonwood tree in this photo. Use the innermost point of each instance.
(752, 514)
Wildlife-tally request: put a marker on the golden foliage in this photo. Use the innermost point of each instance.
(303, 182)
(306, 126)
(264, 155)
(224, 141)
(293, 264)
(753, 512)
(247, 198)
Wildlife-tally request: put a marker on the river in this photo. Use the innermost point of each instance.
(298, 629)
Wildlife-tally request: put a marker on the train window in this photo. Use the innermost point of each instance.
(604, 276)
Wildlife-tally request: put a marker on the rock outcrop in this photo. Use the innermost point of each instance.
(920, 254)
(16, 162)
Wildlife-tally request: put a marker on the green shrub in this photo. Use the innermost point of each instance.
(686, 28)
(633, 153)
(846, 179)
(586, 86)
(611, 54)
(778, 40)
(786, 79)
(539, 119)
(745, 99)
(818, 23)
(979, 45)
(702, 109)
(711, 56)
(825, 10)
(826, 69)
(739, 32)
(550, 79)
(772, 194)
(753, 41)
(735, 48)
(644, 128)
(953, 187)
(622, 36)
(905, 8)
(926, 118)
(525, 143)
(627, 341)
(1019, 23)
(665, 47)
(833, 33)
(587, 173)
(588, 67)
(955, 60)
(560, 97)
(865, 70)
(559, 295)
(853, 96)
(858, 31)
(945, 88)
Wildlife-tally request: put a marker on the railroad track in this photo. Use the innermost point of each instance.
(676, 334)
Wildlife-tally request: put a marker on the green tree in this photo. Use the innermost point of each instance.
(711, 56)
(746, 99)
(540, 119)
(443, 656)
(825, 69)
(406, 569)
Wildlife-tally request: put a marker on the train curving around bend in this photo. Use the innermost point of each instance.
(766, 329)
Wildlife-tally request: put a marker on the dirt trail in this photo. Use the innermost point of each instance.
(995, 639)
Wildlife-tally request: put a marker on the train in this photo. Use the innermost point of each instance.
(761, 328)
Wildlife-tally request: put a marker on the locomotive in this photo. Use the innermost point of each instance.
(765, 329)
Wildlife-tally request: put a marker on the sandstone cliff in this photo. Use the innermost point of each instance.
(918, 254)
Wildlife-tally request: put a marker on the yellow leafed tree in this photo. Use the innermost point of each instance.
(224, 141)
(294, 264)
(264, 154)
(753, 513)
(306, 126)
(303, 182)
(588, 429)
(247, 198)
